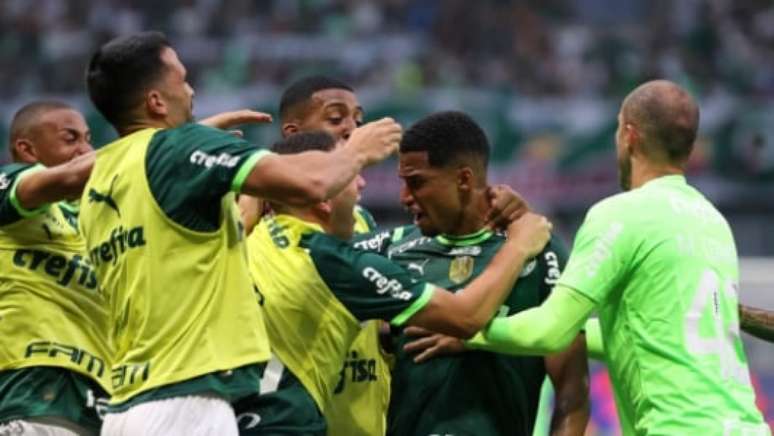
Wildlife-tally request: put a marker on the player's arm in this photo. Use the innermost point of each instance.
(465, 312)
(548, 328)
(373, 287)
(595, 345)
(757, 322)
(569, 373)
(232, 119)
(311, 177)
(37, 188)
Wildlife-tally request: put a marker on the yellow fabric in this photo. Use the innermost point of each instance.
(51, 310)
(361, 408)
(181, 302)
(311, 343)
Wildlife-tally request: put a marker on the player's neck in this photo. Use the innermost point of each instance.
(642, 174)
(143, 123)
(472, 217)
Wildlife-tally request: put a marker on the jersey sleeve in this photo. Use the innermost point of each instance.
(11, 210)
(553, 259)
(601, 253)
(192, 167)
(370, 286)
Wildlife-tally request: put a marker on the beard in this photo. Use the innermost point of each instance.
(625, 172)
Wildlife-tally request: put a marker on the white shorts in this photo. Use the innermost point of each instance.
(43, 426)
(194, 415)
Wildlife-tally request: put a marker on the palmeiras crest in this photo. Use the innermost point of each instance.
(461, 268)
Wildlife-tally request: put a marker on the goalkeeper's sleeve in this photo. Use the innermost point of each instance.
(595, 346)
(545, 329)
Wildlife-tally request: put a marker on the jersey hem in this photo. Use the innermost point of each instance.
(246, 168)
(117, 400)
(415, 307)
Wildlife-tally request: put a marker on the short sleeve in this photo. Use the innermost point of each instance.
(190, 168)
(553, 260)
(601, 253)
(10, 209)
(368, 285)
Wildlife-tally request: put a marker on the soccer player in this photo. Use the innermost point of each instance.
(358, 406)
(443, 162)
(159, 220)
(317, 289)
(659, 264)
(54, 360)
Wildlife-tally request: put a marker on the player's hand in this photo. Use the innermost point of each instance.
(231, 119)
(530, 233)
(430, 344)
(376, 140)
(505, 206)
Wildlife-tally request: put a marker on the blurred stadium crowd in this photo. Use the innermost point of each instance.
(543, 77)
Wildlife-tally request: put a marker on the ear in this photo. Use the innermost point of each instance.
(289, 128)
(156, 104)
(465, 179)
(631, 138)
(25, 151)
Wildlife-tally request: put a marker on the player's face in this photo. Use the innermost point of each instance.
(623, 156)
(175, 89)
(429, 193)
(342, 218)
(61, 135)
(336, 111)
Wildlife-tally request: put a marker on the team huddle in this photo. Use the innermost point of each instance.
(181, 281)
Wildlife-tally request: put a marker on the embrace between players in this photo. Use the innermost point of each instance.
(148, 291)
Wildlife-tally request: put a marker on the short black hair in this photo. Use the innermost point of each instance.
(300, 91)
(305, 141)
(121, 71)
(27, 117)
(448, 137)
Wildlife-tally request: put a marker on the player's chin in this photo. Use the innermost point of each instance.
(425, 226)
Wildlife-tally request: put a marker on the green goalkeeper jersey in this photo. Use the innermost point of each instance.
(661, 265)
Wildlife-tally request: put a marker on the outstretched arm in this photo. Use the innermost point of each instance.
(549, 328)
(757, 322)
(48, 185)
(464, 313)
(310, 177)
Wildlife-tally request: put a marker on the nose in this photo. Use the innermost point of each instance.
(83, 148)
(361, 183)
(347, 127)
(406, 198)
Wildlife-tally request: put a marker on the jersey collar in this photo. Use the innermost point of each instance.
(674, 179)
(465, 240)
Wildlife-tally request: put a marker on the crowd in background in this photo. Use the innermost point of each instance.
(527, 47)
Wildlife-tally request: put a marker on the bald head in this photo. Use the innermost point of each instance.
(28, 119)
(48, 132)
(666, 118)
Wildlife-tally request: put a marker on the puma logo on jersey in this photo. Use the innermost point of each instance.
(199, 157)
(5, 182)
(97, 197)
(385, 285)
(418, 267)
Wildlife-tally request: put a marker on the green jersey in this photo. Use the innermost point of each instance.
(661, 264)
(475, 392)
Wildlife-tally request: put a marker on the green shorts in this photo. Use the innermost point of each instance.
(289, 410)
(48, 391)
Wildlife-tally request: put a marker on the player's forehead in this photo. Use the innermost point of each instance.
(411, 163)
(327, 99)
(62, 119)
(172, 61)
